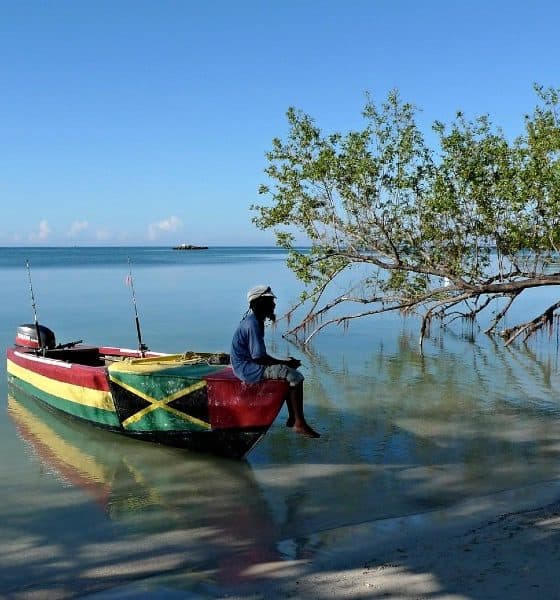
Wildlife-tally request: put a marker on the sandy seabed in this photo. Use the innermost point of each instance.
(510, 556)
(476, 550)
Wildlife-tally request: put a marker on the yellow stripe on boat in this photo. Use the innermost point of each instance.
(136, 417)
(67, 391)
(63, 451)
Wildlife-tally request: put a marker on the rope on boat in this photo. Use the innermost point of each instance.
(188, 357)
(217, 358)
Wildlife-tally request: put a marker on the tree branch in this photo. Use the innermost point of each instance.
(426, 319)
(500, 315)
(545, 318)
(318, 294)
(346, 318)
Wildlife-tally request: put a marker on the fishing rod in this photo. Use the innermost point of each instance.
(37, 328)
(141, 346)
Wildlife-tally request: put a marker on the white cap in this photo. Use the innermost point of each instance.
(259, 291)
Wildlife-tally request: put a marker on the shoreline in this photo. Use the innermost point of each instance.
(496, 546)
(504, 545)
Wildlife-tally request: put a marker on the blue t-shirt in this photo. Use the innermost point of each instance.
(246, 346)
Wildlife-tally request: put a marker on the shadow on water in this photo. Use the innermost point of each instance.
(122, 510)
(403, 435)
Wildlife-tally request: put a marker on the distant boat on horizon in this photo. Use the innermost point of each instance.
(189, 247)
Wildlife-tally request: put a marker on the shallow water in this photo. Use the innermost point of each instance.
(402, 433)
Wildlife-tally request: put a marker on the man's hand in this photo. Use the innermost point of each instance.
(292, 362)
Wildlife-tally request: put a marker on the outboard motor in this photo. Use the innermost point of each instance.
(26, 337)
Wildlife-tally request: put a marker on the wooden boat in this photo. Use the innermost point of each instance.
(189, 400)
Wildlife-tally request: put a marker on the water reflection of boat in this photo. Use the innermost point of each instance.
(211, 507)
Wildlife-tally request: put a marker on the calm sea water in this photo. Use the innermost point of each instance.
(402, 434)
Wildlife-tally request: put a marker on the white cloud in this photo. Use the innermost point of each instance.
(165, 226)
(102, 234)
(43, 233)
(77, 227)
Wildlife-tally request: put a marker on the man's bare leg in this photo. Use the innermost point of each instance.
(296, 418)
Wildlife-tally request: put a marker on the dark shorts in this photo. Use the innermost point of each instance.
(292, 376)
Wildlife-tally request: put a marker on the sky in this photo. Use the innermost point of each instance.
(147, 122)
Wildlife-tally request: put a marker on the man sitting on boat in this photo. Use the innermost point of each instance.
(251, 362)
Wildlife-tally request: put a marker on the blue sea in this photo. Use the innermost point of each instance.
(403, 433)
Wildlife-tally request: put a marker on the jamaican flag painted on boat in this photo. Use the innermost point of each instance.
(191, 402)
(162, 393)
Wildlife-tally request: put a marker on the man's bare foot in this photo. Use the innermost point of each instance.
(290, 422)
(306, 430)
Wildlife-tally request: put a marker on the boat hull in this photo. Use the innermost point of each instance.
(163, 399)
(81, 391)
